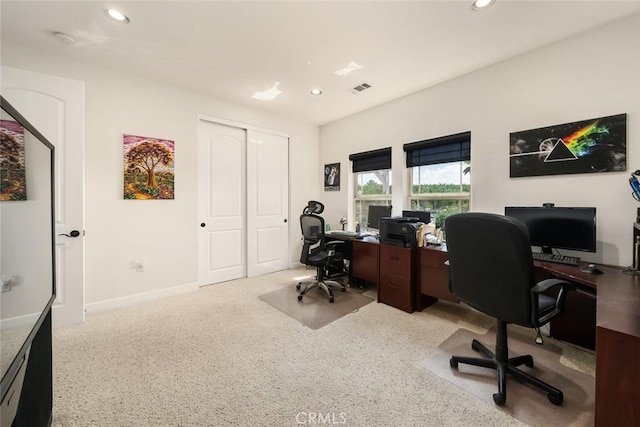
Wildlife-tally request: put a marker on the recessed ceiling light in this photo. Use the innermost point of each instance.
(316, 92)
(117, 15)
(481, 4)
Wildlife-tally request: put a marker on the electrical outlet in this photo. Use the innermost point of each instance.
(140, 266)
(6, 284)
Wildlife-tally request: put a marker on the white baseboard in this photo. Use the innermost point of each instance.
(19, 321)
(139, 298)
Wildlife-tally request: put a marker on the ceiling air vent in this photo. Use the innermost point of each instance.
(360, 88)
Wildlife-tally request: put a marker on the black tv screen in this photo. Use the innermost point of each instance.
(375, 213)
(423, 216)
(27, 243)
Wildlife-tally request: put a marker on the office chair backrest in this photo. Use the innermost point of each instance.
(490, 264)
(313, 235)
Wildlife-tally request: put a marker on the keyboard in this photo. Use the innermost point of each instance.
(560, 259)
(351, 234)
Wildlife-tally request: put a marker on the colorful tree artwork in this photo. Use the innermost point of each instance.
(148, 171)
(13, 180)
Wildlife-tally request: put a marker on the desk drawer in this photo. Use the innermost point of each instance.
(396, 291)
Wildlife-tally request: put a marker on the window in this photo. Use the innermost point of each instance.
(440, 175)
(372, 179)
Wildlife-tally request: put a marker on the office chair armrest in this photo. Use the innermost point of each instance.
(333, 244)
(548, 284)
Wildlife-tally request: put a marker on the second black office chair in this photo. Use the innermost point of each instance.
(491, 269)
(327, 257)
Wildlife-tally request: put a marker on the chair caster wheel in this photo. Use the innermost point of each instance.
(343, 289)
(453, 363)
(299, 297)
(331, 299)
(499, 399)
(556, 399)
(298, 286)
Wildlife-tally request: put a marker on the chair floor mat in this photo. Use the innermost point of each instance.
(315, 310)
(524, 402)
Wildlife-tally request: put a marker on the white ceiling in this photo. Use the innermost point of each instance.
(231, 49)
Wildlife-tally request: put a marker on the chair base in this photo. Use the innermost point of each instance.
(324, 285)
(504, 367)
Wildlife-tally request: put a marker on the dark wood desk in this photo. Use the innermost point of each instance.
(617, 341)
(364, 259)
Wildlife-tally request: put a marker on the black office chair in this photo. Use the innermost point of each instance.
(491, 269)
(327, 257)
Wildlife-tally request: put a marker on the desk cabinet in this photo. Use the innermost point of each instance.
(434, 274)
(397, 276)
(364, 263)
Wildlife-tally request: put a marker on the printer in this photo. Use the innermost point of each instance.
(400, 231)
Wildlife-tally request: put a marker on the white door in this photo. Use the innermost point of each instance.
(267, 202)
(243, 200)
(221, 203)
(55, 107)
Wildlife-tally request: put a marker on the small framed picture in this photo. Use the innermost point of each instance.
(332, 177)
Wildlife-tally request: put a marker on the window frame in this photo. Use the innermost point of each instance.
(450, 149)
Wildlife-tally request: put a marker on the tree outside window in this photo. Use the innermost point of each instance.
(443, 189)
(372, 188)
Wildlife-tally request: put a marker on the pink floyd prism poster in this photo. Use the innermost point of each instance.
(595, 145)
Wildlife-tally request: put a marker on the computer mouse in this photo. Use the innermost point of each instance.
(591, 269)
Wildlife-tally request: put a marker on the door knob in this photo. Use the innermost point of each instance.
(73, 233)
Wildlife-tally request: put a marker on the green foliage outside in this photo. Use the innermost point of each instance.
(441, 188)
(371, 187)
(441, 208)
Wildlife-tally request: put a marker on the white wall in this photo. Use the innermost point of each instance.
(162, 233)
(594, 74)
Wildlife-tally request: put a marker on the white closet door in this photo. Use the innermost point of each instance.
(221, 203)
(267, 202)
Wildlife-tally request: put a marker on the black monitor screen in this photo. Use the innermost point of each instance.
(423, 216)
(375, 213)
(571, 228)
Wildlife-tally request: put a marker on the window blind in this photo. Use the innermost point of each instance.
(371, 160)
(445, 149)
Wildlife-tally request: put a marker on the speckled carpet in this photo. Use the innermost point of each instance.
(220, 357)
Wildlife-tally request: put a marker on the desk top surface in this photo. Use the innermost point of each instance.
(617, 293)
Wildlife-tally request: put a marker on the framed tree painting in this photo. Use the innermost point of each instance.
(594, 145)
(332, 177)
(13, 177)
(148, 171)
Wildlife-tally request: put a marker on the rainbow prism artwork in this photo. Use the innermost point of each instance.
(594, 145)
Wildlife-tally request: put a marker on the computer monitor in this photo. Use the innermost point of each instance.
(375, 213)
(552, 227)
(423, 216)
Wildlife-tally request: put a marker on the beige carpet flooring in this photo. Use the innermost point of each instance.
(222, 357)
(524, 402)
